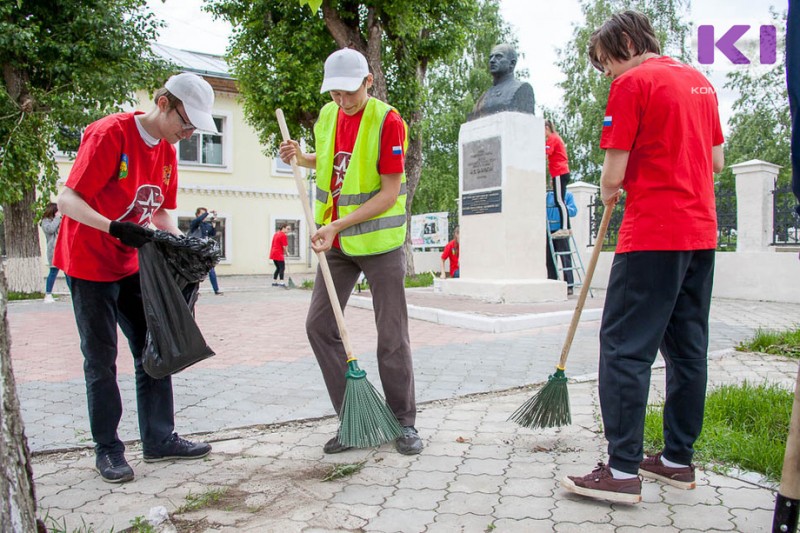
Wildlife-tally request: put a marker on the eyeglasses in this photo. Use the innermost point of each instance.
(185, 124)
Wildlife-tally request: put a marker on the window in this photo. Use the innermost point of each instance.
(203, 148)
(281, 167)
(293, 249)
(219, 225)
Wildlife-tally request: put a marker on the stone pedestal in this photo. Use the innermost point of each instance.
(502, 211)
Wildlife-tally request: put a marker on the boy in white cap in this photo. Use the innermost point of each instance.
(124, 178)
(361, 216)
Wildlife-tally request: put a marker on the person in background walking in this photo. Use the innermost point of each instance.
(451, 252)
(51, 222)
(559, 174)
(277, 252)
(202, 227)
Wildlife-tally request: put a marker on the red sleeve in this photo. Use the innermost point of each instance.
(97, 160)
(548, 145)
(393, 139)
(284, 239)
(621, 121)
(447, 249)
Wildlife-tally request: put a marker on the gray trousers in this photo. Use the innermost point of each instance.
(385, 274)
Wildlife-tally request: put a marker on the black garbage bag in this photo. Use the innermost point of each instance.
(171, 269)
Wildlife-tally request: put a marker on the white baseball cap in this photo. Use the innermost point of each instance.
(345, 70)
(197, 97)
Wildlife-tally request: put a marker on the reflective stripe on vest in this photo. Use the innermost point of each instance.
(362, 181)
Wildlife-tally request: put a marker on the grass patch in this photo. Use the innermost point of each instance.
(199, 501)
(307, 284)
(340, 471)
(424, 279)
(56, 526)
(14, 296)
(786, 343)
(744, 426)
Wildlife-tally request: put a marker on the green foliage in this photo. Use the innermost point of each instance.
(141, 525)
(760, 127)
(307, 284)
(279, 46)
(65, 63)
(14, 296)
(744, 426)
(340, 471)
(451, 91)
(579, 121)
(202, 500)
(60, 526)
(786, 343)
(424, 279)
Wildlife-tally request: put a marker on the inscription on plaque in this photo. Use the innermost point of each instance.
(482, 164)
(481, 203)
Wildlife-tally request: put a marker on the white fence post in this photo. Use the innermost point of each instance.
(755, 181)
(583, 193)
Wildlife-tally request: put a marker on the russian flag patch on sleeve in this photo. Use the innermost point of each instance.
(397, 150)
(607, 121)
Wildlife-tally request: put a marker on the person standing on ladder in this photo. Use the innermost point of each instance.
(558, 167)
(560, 244)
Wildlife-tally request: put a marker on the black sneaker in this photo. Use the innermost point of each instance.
(409, 442)
(334, 446)
(177, 448)
(113, 467)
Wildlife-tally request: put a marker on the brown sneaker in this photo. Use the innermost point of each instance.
(653, 468)
(601, 484)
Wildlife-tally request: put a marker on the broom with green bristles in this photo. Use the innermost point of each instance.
(550, 406)
(366, 420)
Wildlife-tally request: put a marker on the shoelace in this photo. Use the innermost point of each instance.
(115, 460)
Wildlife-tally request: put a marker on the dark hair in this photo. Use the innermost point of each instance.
(199, 209)
(284, 225)
(549, 125)
(51, 210)
(611, 39)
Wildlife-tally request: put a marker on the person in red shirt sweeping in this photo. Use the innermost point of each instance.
(277, 252)
(663, 142)
(125, 178)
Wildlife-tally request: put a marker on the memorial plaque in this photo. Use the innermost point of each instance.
(481, 203)
(482, 164)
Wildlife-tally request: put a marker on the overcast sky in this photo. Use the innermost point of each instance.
(540, 31)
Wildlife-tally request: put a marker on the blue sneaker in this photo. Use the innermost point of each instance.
(113, 467)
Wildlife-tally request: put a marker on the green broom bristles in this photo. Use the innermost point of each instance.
(547, 408)
(366, 420)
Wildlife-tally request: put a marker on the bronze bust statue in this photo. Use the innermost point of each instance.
(507, 93)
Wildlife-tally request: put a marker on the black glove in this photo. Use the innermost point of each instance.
(131, 234)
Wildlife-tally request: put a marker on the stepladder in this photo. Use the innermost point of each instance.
(566, 260)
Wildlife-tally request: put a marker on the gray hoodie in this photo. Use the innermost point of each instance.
(50, 227)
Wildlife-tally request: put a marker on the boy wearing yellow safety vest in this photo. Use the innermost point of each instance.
(361, 217)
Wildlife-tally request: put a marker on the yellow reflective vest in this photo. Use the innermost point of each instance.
(362, 181)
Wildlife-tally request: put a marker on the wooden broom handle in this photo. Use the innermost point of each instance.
(576, 316)
(323, 261)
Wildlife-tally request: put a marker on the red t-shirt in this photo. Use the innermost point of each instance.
(665, 113)
(123, 179)
(556, 155)
(451, 252)
(392, 153)
(279, 240)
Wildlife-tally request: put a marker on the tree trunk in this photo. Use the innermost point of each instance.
(23, 256)
(18, 508)
(413, 173)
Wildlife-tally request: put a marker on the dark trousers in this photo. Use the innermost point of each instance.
(560, 245)
(99, 307)
(386, 275)
(655, 300)
(212, 277)
(559, 195)
(280, 268)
